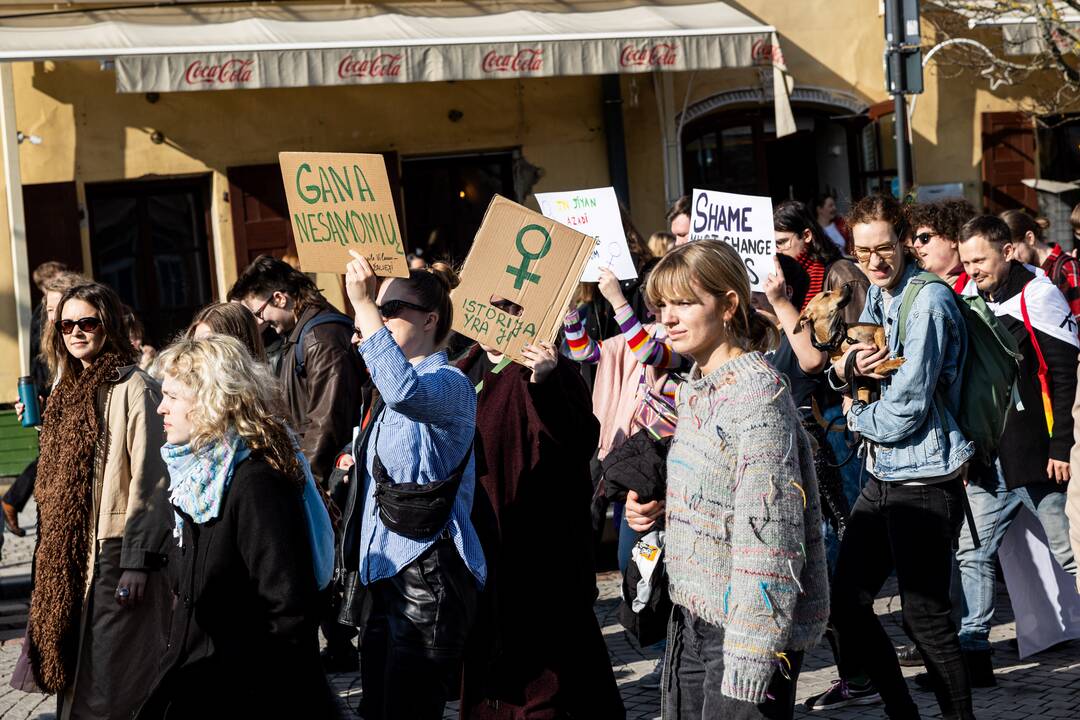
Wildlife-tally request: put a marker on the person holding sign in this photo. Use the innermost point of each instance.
(416, 553)
(744, 550)
(537, 654)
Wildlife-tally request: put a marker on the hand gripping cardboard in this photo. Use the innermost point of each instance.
(523, 257)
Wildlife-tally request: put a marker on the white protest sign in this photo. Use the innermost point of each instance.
(742, 221)
(1045, 603)
(594, 213)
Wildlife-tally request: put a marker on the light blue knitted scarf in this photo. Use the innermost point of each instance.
(199, 478)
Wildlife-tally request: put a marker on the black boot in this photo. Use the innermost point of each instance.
(980, 668)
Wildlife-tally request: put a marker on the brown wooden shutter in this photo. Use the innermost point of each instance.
(1008, 142)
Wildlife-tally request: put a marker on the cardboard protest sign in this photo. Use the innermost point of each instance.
(340, 202)
(522, 258)
(744, 222)
(594, 212)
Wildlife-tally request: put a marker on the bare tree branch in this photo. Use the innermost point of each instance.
(1014, 42)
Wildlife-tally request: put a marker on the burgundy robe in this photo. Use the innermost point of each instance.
(540, 654)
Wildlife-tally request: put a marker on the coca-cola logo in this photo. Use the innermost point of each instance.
(525, 60)
(765, 53)
(381, 65)
(231, 71)
(657, 55)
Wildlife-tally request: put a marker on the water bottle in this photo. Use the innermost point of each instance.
(29, 397)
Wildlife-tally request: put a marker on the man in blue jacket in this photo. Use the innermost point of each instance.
(909, 514)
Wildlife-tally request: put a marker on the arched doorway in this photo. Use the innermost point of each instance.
(729, 143)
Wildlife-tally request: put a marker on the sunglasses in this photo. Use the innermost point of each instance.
(924, 237)
(86, 324)
(393, 308)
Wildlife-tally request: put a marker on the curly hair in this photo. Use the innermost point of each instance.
(946, 217)
(231, 390)
(879, 207)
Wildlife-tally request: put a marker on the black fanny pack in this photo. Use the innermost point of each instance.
(415, 511)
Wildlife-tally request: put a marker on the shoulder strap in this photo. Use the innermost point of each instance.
(1044, 371)
(321, 319)
(1059, 263)
(914, 287)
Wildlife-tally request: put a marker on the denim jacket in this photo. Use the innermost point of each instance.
(914, 435)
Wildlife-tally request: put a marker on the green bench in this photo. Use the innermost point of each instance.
(18, 445)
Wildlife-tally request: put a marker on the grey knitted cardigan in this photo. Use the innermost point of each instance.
(743, 548)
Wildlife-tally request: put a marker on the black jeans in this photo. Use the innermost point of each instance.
(912, 529)
(694, 670)
(413, 641)
(20, 491)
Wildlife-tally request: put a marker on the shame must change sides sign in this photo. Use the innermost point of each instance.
(340, 202)
(527, 259)
(742, 221)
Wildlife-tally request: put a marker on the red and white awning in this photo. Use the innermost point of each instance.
(191, 48)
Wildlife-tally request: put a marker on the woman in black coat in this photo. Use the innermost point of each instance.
(243, 641)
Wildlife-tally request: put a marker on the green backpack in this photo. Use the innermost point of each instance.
(988, 377)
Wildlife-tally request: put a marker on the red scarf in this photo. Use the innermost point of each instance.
(816, 270)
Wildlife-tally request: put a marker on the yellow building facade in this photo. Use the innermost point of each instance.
(458, 138)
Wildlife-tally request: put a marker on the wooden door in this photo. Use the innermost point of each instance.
(1008, 142)
(149, 241)
(52, 227)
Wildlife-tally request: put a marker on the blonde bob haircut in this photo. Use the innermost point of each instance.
(231, 390)
(716, 269)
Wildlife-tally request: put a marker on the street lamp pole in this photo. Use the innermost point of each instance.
(894, 39)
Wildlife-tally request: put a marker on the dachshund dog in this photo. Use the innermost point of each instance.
(832, 334)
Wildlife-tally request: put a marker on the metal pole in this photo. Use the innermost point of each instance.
(20, 270)
(896, 65)
(903, 150)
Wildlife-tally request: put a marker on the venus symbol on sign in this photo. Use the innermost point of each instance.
(521, 274)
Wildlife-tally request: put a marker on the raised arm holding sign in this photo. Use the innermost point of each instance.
(742, 221)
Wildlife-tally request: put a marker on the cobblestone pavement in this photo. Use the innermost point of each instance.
(1046, 686)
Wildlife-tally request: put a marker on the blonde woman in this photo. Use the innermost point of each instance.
(243, 640)
(744, 550)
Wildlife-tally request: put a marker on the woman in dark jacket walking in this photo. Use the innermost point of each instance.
(242, 642)
(538, 653)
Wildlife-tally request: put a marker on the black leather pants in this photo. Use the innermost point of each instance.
(413, 641)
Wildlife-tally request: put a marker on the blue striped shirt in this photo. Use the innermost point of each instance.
(423, 433)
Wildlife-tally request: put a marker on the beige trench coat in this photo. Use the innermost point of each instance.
(119, 649)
